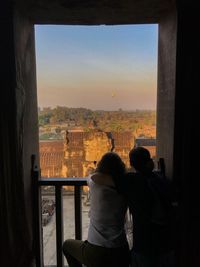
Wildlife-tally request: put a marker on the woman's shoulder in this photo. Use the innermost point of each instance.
(101, 179)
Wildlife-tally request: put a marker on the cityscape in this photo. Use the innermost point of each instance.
(71, 140)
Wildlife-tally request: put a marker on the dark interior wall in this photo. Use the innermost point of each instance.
(166, 89)
(26, 99)
(14, 232)
(95, 12)
(186, 145)
(18, 137)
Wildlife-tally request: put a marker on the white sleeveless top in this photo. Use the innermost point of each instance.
(107, 216)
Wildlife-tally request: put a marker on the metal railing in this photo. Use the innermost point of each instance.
(58, 183)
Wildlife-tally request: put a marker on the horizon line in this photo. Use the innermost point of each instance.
(119, 109)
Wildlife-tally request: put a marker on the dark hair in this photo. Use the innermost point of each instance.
(139, 159)
(111, 164)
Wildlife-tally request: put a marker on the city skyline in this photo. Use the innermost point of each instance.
(97, 67)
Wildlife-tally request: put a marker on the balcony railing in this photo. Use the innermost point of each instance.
(57, 183)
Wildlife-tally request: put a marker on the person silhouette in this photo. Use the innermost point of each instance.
(149, 202)
(106, 244)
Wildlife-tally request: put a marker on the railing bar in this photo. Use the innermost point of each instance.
(57, 183)
(59, 225)
(78, 212)
(62, 181)
(37, 215)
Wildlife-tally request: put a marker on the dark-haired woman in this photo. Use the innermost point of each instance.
(106, 245)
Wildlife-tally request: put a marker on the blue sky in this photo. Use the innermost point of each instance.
(98, 67)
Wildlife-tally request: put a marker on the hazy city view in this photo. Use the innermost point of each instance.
(96, 93)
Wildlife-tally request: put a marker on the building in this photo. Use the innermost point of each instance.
(75, 156)
(51, 158)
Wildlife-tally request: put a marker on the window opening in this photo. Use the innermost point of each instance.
(97, 88)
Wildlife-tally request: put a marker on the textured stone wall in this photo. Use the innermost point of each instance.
(83, 148)
(166, 90)
(75, 156)
(51, 158)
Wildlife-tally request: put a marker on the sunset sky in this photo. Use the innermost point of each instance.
(97, 67)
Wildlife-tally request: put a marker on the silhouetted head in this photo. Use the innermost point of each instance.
(111, 164)
(141, 160)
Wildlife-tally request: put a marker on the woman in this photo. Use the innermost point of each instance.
(106, 245)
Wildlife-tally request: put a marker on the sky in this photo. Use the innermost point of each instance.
(97, 67)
